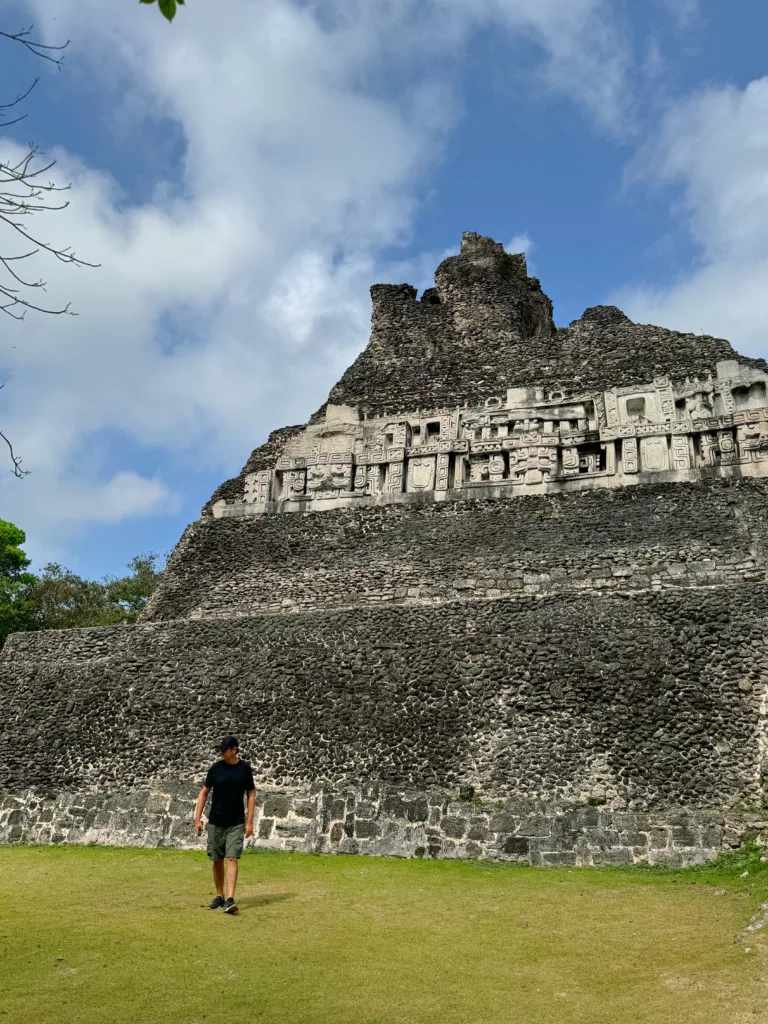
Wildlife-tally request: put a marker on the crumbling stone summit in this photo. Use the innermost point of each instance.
(504, 595)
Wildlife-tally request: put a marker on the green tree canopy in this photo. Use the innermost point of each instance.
(131, 593)
(16, 610)
(13, 561)
(58, 598)
(61, 599)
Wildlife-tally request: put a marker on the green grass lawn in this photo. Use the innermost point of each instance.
(92, 934)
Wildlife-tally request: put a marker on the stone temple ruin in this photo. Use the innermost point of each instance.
(503, 596)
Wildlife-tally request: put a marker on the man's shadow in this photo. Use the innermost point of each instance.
(265, 900)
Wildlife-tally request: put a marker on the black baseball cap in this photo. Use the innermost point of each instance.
(228, 742)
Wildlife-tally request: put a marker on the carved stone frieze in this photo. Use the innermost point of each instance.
(258, 487)
(681, 452)
(530, 438)
(710, 450)
(294, 484)
(654, 454)
(421, 473)
(629, 457)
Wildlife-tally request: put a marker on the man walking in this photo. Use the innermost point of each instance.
(230, 779)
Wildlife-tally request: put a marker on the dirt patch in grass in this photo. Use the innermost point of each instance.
(96, 935)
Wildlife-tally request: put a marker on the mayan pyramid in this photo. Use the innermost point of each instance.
(504, 595)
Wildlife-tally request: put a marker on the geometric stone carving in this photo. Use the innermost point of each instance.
(710, 450)
(375, 479)
(629, 457)
(443, 472)
(570, 461)
(611, 409)
(532, 465)
(531, 438)
(257, 487)
(395, 478)
(654, 454)
(681, 454)
(294, 483)
(727, 445)
(421, 473)
(666, 397)
(479, 469)
(497, 468)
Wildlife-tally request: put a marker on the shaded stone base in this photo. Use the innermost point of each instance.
(380, 820)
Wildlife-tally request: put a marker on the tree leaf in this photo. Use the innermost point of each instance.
(168, 8)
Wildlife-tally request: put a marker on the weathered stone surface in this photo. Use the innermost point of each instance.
(530, 566)
(658, 536)
(425, 410)
(388, 832)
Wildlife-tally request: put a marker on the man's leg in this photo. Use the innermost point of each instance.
(216, 853)
(234, 846)
(218, 876)
(231, 877)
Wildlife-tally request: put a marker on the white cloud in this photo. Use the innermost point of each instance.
(587, 53)
(714, 147)
(520, 243)
(229, 303)
(685, 12)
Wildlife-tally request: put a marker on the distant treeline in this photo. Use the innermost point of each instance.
(59, 599)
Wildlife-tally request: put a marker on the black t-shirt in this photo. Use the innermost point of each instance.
(229, 782)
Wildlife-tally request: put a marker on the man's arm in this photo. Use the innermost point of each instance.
(201, 798)
(250, 807)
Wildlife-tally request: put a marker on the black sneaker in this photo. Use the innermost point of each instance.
(229, 906)
(218, 902)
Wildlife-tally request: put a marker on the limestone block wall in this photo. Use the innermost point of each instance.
(651, 704)
(383, 820)
(652, 537)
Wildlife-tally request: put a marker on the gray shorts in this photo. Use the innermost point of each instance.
(225, 842)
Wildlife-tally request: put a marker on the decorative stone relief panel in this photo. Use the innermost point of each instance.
(531, 437)
(421, 474)
(258, 487)
(570, 461)
(329, 479)
(710, 450)
(681, 454)
(611, 409)
(727, 444)
(395, 479)
(666, 397)
(629, 457)
(532, 465)
(699, 405)
(294, 484)
(442, 479)
(654, 454)
(752, 441)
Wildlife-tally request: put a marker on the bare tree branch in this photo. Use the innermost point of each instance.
(7, 106)
(24, 193)
(15, 459)
(39, 49)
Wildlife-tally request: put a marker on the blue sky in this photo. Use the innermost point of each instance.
(243, 177)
